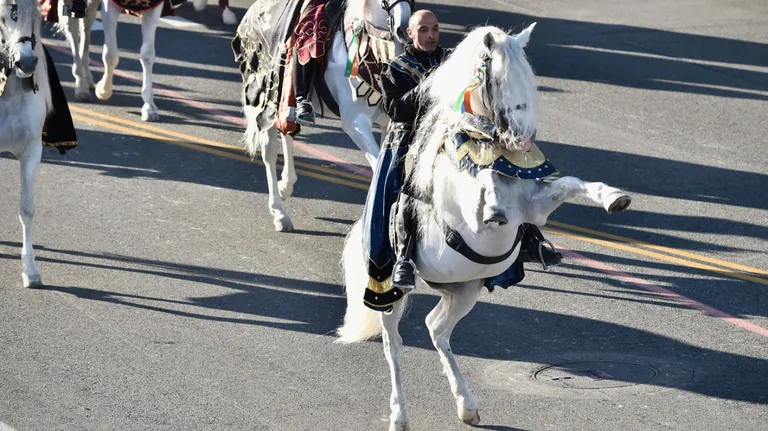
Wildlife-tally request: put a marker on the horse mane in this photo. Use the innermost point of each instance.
(357, 9)
(29, 13)
(508, 83)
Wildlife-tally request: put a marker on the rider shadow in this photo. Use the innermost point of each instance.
(491, 331)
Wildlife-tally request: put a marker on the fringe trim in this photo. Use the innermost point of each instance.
(380, 286)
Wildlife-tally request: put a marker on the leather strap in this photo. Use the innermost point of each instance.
(456, 242)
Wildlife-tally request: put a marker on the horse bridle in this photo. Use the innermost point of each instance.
(388, 5)
(6, 66)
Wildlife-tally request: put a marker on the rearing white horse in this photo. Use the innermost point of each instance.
(357, 115)
(25, 101)
(474, 186)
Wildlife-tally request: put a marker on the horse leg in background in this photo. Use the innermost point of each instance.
(90, 17)
(393, 346)
(227, 15)
(110, 14)
(288, 175)
(550, 196)
(199, 5)
(455, 302)
(29, 160)
(149, 22)
(269, 146)
(79, 38)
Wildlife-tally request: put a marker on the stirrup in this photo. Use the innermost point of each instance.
(541, 253)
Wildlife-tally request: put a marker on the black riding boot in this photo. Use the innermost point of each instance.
(404, 270)
(77, 10)
(302, 81)
(535, 248)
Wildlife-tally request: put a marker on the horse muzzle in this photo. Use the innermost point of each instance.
(494, 215)
(25, 66)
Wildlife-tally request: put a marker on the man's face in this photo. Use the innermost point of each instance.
(425, 32)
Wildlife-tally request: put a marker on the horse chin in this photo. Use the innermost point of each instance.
(24, 75)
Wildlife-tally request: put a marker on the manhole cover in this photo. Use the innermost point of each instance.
(596, 374)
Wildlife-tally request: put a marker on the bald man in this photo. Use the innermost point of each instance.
(399, 79)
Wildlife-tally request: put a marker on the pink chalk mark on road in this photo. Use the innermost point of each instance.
(224, 116)
(684, 300)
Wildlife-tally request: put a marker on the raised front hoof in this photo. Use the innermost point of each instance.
(102, 93)
(150, 114)
(620, 204)
(32, 281)
(403, 426)
(229, 17)
(283, 224)
(469, 417)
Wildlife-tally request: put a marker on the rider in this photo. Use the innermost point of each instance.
(399, 80)
(311, 36)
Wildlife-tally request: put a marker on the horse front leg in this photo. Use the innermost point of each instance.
(550, 196)
(149, 22)
(110, 14)
(90, 17)
(29, 160)
(456, 302)
(393, 345)
(269, 149)
(288, 175)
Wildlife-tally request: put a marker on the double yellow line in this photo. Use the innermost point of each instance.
(662, 253)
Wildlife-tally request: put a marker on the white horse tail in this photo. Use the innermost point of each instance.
(255, 137)
(360, 322)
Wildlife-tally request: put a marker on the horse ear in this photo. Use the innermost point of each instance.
(489, 41)
(524, 35)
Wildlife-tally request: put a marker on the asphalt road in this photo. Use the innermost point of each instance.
(171, 303)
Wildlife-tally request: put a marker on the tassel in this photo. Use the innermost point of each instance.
(379, 286)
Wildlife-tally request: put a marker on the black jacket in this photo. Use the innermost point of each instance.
(400, 77)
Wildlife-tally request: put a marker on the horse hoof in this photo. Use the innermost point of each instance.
(102, 93)
(620, 204)
(469, 417)
(199, 5)
(150, 115)
(284, 225)
(83, 97)
(32, 282)
(229, 17)
(403, 426)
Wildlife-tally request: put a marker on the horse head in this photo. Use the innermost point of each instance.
(19, 25)
(482, 108)
(399, 12)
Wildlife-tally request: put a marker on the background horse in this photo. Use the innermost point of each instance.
(357, 115)
(486, 81)
(25, 100)
(78, 33)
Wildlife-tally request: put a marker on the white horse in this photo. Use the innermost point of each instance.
(356, 114)
(78, 33)
(25, 101)
(485, 208)
(227, 15)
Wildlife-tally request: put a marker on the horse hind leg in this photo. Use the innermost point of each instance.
(90, 17)
(393, 345)
(455, 303)
(29, 160)
(269, 146)
(149, 22)
(78, 44)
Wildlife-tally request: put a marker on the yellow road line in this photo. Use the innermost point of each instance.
(208, 142)
(208, 146)
(205, 149)
(669, 250)
(659, 256)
